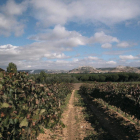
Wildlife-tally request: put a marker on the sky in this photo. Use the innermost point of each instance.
(66, 34)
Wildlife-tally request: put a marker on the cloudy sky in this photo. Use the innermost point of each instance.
(65, 34)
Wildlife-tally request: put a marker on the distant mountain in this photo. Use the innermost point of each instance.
(88, 69)
(85, 69)
(105, 69)
(126, 69)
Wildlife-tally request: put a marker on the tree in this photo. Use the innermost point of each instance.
(85, 78)
(42, 76)
(12, 68)
(115, 77)
(102, 78)
(94, 77)
(123, 77)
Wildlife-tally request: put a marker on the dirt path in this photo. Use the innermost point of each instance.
(73, 118)
(69, 120)
(76, 127)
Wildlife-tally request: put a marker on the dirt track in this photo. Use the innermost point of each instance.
(76, 125)
(69, 120)
(71, 127)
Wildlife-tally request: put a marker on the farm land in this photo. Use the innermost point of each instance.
(52, 109)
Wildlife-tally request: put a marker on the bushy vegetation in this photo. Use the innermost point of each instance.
(75, 78)
(123, 96)
(26, 107)
(53, 78)
(108, 77)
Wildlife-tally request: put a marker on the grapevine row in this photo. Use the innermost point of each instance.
(123, 96)
(27, 107)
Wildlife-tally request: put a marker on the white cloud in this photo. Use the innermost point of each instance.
(8, 49)
(72, 38)
(59, 40)
(50, 12)
(53, 12)
(59, 32)
(123, 44)
(59, 35)
(9, 14)
(108, 12)
(51, 45)
(27, 58)
(12, 8)
(93, 58)
(75, 60)
(111, 62)
(56, 56)
(128, 57)
(14, 53)
(101, 37)
(106, 45)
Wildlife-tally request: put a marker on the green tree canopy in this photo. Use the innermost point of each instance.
(42, 76)
(12, 68)
(102, 78)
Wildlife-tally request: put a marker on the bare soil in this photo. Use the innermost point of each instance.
(76, 127)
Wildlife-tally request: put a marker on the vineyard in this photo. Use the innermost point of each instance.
(27, 107)
(115, 99)
(123, 96)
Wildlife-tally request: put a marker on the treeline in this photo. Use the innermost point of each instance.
(53, 78)
(108, 77)
(74, 78)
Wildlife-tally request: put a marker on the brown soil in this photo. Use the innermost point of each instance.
(77, 86)
(76, 127)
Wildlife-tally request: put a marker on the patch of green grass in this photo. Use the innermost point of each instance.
(80, 101)
(117, 110)
(1, 74)
(64, 106)
(42, 131)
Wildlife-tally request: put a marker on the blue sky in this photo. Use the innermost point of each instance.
(65, 34)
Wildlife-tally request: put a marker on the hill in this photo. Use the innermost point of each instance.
(125, 69)
(85, 69)
(88, 69)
